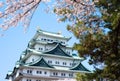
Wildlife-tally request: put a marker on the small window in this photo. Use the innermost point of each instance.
(44, 39)
(28, 80)
(57, 62)
(33, 60)
(62, 74)
(45, 72)
(48, 39)
(73, 64)
(29, 71)
(55, 74)
(49, 61)
(64, 63)
(40, 49)
(70, 75)
(38, 80)
(70, 64)
(39, 72)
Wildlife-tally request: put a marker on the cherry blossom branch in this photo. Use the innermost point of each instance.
(18, 11)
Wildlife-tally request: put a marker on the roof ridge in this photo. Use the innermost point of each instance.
(33, 62)
(58, 44)
(39, 60)
(64, 51)
(51, 48)
(48, 32)
(75, 65)
(80, 65)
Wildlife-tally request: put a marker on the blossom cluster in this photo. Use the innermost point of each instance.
(77, 11)
(22, 11)
(15, 11)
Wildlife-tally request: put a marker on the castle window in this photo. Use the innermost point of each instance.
(68, 52)
(38, 80)
(57, 62)
(41, 49)
(70, 75)
(49, 61)
(48, 39)
(29, 71)
(39, 72)
(45, 72)
(62, 74)
(28, 80)
(55, 74)
(70, 64)
(64, 63)
(33, 60)
(73, 64)
(44, 39)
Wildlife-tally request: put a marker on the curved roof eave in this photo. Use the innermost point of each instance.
(41, 63)
(42, 32)
(57, 51)
(80, 67)
(32, 51)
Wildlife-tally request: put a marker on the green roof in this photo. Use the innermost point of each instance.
(41, 63)
(58, 51)
(80, 67)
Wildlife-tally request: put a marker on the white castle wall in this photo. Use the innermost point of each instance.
(50, 38)
(32, 58)
(60, 60)
(56, 61)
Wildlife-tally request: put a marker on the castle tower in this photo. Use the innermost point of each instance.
(47, 58)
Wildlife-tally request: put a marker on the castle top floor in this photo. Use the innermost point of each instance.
(45, 36)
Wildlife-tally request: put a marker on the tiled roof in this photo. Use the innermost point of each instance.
(57, 51)
(41, 63)
(80, 67)
(39, 31)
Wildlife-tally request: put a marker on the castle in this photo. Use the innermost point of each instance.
(47, 58)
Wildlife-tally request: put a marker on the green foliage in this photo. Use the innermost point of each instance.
(102, 47)
(81, 77)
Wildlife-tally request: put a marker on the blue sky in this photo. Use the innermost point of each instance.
(15, 40)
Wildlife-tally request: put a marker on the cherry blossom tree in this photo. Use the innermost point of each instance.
(83, 14)
(15, 11)
(88, 19)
